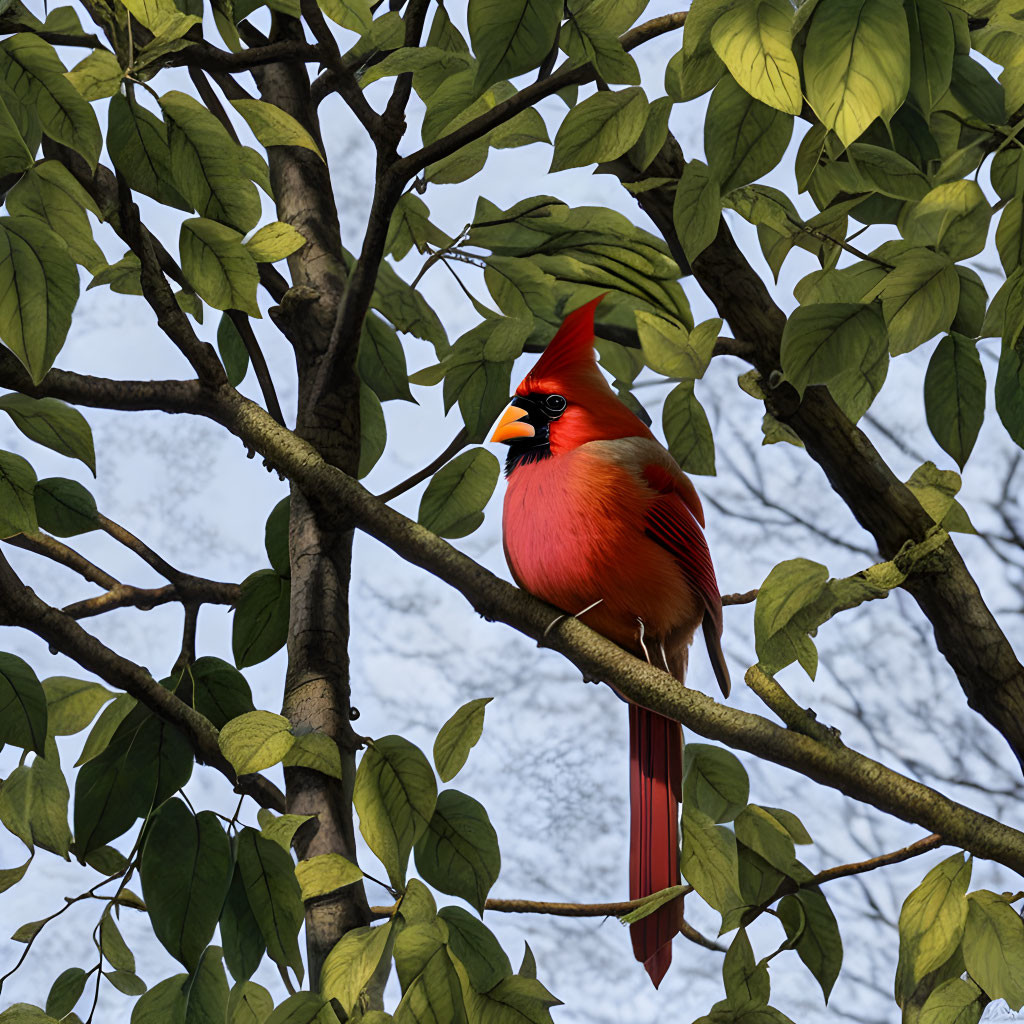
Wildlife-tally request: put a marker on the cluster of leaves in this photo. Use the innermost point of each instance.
(798, 596)
(902, 114)
(199, 872)
(958, 950)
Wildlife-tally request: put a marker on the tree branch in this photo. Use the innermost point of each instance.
(829, 762)
(211, 58)
(173, 396)
(49, 547)
(19, 606)
(408, 167)
(121, 596)
(343, 78)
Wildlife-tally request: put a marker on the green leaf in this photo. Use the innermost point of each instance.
(124, 276)
(34, 804)
(233, 353)
(206, 995)
(431, 989)
(65, 992)
(255, 741)
(64, 507)
(274, 242)
(452, 505)
(887, 172)
(1009, 235)
(219, 266)
(164, 1003)
(306, 1008)
(324, 873)
(753, 41)
(17, 506)
(919, 298)
(33, 72)
(697, 209)
(381, 361)
(275, 537)
(475, 947)
(714, 781)
(458, 852)
(281, 829)
(515, 1000)
(97, 76)
(272, 126)
(510, 36)
(789, 588)
(127, 982)
(137, 144)
(145, 762)
(709, 861)
(15, 154)
(314, 750)
(71, 704)
(372, 429)
(52, 423)
(207, 164)
(350, 965)
(186, 869)
(810, 923)
(993, 944)
(248, 1003)
(260, 627)
(856, 63)
(394, 796)
(458, 736)
(954, 396)
(672, 350)
(956, 1001)
(600, 128)
(931, 52)
(274, 896)
(953, 218)
(688, 432)
(649, 904)
(936, 490)
(933, 917)
(115, 950)
(23, 1013)
(824, 341)
(49, 193)
(38, 291)
(243, 942)
(696, 68)
(746, 981)
(22, 705)
(106, 726)
(743, 137)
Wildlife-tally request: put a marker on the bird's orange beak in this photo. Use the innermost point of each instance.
(511, 425)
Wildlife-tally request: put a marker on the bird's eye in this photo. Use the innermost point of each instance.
(555, 403)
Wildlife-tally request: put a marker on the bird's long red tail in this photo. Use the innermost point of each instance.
(655, 783)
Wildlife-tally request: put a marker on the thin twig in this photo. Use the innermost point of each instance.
(48, 547)
(259, 363)
(458, 443)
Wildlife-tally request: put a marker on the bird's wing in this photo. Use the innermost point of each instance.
(671, 522)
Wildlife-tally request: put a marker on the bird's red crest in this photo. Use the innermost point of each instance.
(570, 350)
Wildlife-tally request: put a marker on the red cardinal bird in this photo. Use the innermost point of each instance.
(600, 521)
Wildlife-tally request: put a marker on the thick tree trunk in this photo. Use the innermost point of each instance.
(317, 692)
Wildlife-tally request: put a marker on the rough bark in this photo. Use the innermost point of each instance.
(317, 689)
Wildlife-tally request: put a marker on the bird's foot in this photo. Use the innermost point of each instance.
(560, 618)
